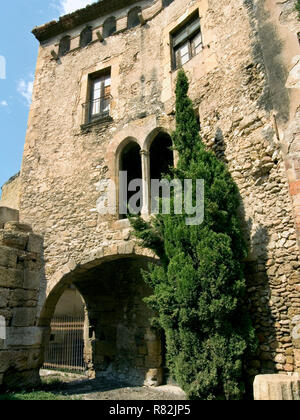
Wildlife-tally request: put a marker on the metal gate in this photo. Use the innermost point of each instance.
(65, 350)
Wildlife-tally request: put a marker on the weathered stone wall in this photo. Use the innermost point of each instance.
(236, 95)
(20, 265)
(10, 194)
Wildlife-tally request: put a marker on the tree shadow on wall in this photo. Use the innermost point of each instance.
(258, 302)
(258, 289)
(219, 146)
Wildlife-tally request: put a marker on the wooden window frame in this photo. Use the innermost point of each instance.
(91, 117)
(188, 39)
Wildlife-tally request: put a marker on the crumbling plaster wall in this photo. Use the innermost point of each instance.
(231, 86)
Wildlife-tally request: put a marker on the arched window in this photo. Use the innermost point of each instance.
(161, 159)
(86, 37)
(130, 162)
(64, 46)
(109, 27)
(161, 155)
(133, 17)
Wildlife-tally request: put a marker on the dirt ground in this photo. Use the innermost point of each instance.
(80, 387)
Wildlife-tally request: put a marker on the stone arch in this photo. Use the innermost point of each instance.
(133, 17)
(121, 146)
(86, 36)
(152, 135)
(64, 46)
(109, 27)
(119, 337)
(63, 277)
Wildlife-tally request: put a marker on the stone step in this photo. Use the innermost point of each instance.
(277, 387)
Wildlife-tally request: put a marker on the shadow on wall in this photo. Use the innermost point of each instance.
(267, 49)
(219, 146)
(258, 287)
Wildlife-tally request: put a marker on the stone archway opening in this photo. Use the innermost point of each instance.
(119, 342)
(64, 350)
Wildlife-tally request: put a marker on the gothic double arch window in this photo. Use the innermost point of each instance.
(151, 163)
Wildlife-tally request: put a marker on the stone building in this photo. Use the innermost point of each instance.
(103, 101)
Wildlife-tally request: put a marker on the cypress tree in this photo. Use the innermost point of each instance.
(199, 287)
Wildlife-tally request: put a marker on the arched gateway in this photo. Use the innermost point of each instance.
(119, 340)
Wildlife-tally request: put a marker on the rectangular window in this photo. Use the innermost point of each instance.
(100, 97)
(187, 42)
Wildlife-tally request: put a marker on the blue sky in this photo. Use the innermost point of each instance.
(18, 48)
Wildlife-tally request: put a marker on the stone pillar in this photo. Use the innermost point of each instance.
(146, 182)
(153, 360)
(20, 268)
(277, 387)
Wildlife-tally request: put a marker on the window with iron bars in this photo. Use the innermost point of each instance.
(186, 42)
(98, 107)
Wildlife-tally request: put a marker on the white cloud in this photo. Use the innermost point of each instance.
(68, 6)
(25, 89)
(3, 103)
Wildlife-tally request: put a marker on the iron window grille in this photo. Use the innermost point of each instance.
(96, 109)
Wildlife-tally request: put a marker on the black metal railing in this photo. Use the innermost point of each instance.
(96, 109)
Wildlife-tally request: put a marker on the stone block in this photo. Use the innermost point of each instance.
(35, 243)
(8, 257)
(153, 361)
(154, 377)
(31, 280)
(13, 239)
(154, 348)
(27, 336)
(5, 360)
(4, 297)
(23, 317)
(277, 387)
(23, 298)
(297, 357)
(11, 278)
(289, 367)
(17, 226)
(280, 358)
(7, 215)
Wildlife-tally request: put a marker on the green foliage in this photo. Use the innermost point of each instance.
(199, 288)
